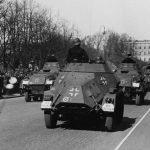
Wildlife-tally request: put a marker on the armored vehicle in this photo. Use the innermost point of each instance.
(35, 86)
(41, 81)
(146, 77)
(131, 80)
(84, 89)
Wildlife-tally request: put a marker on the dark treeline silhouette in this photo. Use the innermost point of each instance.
(28, 32)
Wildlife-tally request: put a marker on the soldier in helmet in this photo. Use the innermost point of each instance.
(77, 54)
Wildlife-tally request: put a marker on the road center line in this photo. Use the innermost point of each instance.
(130, 132)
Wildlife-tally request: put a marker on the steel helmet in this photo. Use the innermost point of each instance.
(77, 41)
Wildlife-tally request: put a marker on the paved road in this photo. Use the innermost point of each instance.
(22, 128)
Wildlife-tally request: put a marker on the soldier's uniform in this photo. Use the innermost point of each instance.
(77, 54)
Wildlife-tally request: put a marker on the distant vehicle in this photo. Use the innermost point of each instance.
(131, 80)
(39, 82)
(84, 89)
(23, 85)
(146, 77)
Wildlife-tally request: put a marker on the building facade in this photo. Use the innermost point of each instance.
(141, 49)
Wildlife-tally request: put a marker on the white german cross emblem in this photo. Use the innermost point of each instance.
(73, 92)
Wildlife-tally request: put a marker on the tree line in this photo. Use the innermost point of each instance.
(30, 32)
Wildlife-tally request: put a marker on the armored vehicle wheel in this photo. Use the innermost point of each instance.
(116, 117)
(35, 98)
(139, 99)
(27, 97)
(21, 92)
(119, 108)
(41, 97)
(50, 119)
(110, 122)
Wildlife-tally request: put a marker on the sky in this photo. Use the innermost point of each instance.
(90, 16)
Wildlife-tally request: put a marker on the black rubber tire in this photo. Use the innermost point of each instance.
(41, 97)
(119, 109)
(35, 98)
(110, 123)
(27, 97)
(139, 99)
(50, 119)
(21, 92)
(115, 118)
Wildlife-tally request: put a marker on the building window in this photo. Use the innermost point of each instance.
(144, 53)
(149, 59)
(144, 47)
(144, 59)
(149, 52)
(139, 47)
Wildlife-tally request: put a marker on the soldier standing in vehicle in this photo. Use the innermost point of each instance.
(76, 53)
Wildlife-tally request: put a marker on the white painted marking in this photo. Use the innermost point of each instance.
(71, 94)
(130, 132)
(66, 99)
(76, 90)
(71, 90)
(75, 94)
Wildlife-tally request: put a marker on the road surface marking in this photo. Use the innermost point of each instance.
(130, 132)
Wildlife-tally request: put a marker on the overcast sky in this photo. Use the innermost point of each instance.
(123, 16)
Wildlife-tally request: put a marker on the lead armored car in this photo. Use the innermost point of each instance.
(131, 82)
(41, 81)
(84, 89)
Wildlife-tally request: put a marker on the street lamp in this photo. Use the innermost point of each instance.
(101, 48)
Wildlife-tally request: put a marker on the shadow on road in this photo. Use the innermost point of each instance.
(92, 125)
(132, 102)
(129, 102)
(83, 124)
(126, 124)
(146, 102)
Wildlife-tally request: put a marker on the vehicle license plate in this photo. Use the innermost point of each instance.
(25, 82)
(49, 82)
(46, 105)
(136, 84)
(108, 107)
